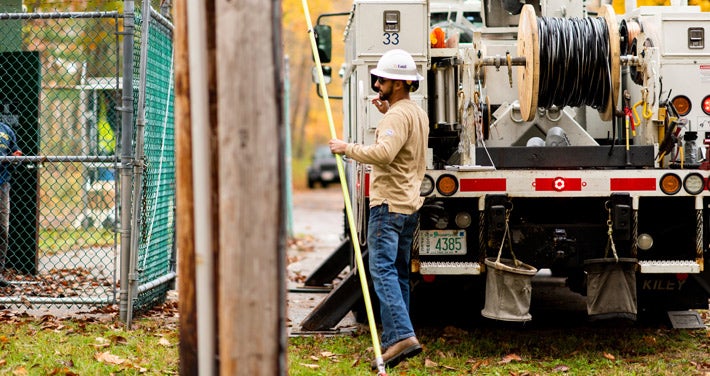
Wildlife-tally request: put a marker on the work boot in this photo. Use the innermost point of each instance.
(398, 352)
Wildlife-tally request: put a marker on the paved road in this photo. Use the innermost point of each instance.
(318, 227)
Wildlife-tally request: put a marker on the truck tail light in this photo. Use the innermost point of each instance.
(427, 186)
(670, 184)
(644, 241)
(694, 183)
(447, 184)
(682, 105)
(706, 105)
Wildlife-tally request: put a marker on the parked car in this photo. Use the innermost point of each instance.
(323, 168)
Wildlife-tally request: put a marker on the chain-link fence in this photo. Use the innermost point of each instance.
(156, 258)
(61, 92)
(59, 87)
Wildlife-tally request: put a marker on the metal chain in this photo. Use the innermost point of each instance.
(610, 232)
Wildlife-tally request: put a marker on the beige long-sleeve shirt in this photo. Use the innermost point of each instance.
(398, 157)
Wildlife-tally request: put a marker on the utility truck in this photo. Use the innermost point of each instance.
(564, 139)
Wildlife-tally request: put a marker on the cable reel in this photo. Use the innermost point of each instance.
(569, 62)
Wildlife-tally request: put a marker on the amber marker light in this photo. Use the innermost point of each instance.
(447, 185)
(670, 184)
(682, 105)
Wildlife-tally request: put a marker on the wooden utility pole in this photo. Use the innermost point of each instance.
(184, 197)
(245, 82)
(251, 216)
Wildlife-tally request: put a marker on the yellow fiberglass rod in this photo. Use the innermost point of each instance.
(346, 195)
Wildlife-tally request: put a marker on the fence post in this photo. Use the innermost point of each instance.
(138, 161)
(126, 166)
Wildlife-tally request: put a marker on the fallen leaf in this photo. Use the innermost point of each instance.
(311, 366)
(120, 340)
(476, 364)
(106, 357)
(609, 356)
(428, 363)
(561, 368)
(164, 342)
(509, 358)
(20, 371)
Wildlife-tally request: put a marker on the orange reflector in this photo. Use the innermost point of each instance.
(670, 184)
(447, 185)
(682, 105)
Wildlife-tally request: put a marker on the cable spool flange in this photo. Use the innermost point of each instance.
(607, 12)
(529, 78)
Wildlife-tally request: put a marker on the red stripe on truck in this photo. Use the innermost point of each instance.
(483, 185)
(558, 184)
(632, 184)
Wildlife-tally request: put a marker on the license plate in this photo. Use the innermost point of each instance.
(442, 242)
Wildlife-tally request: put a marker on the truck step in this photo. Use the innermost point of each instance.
(669, 266)
(429, 268)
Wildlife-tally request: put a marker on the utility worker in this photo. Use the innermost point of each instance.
(398, 165)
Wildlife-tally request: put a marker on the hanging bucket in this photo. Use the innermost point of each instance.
(611, 288)
(508, 290)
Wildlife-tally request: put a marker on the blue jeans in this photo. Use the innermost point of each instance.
(389, 241)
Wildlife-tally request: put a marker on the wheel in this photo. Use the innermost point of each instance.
(311, 183)
(324, 184)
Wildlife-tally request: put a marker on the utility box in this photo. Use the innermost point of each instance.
(390, 25)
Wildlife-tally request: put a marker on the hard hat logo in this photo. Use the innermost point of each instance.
(397, 64)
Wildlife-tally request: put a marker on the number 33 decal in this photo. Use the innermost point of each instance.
(391, 38)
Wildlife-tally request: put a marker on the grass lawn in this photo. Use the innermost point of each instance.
(514, 351)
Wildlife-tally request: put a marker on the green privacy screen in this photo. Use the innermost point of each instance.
(156, 249)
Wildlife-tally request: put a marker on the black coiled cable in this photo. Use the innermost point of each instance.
(574, 62)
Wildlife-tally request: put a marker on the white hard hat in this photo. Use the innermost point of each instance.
(397, 65)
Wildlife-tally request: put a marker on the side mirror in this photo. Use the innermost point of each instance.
(327, 74)
(324, 42)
